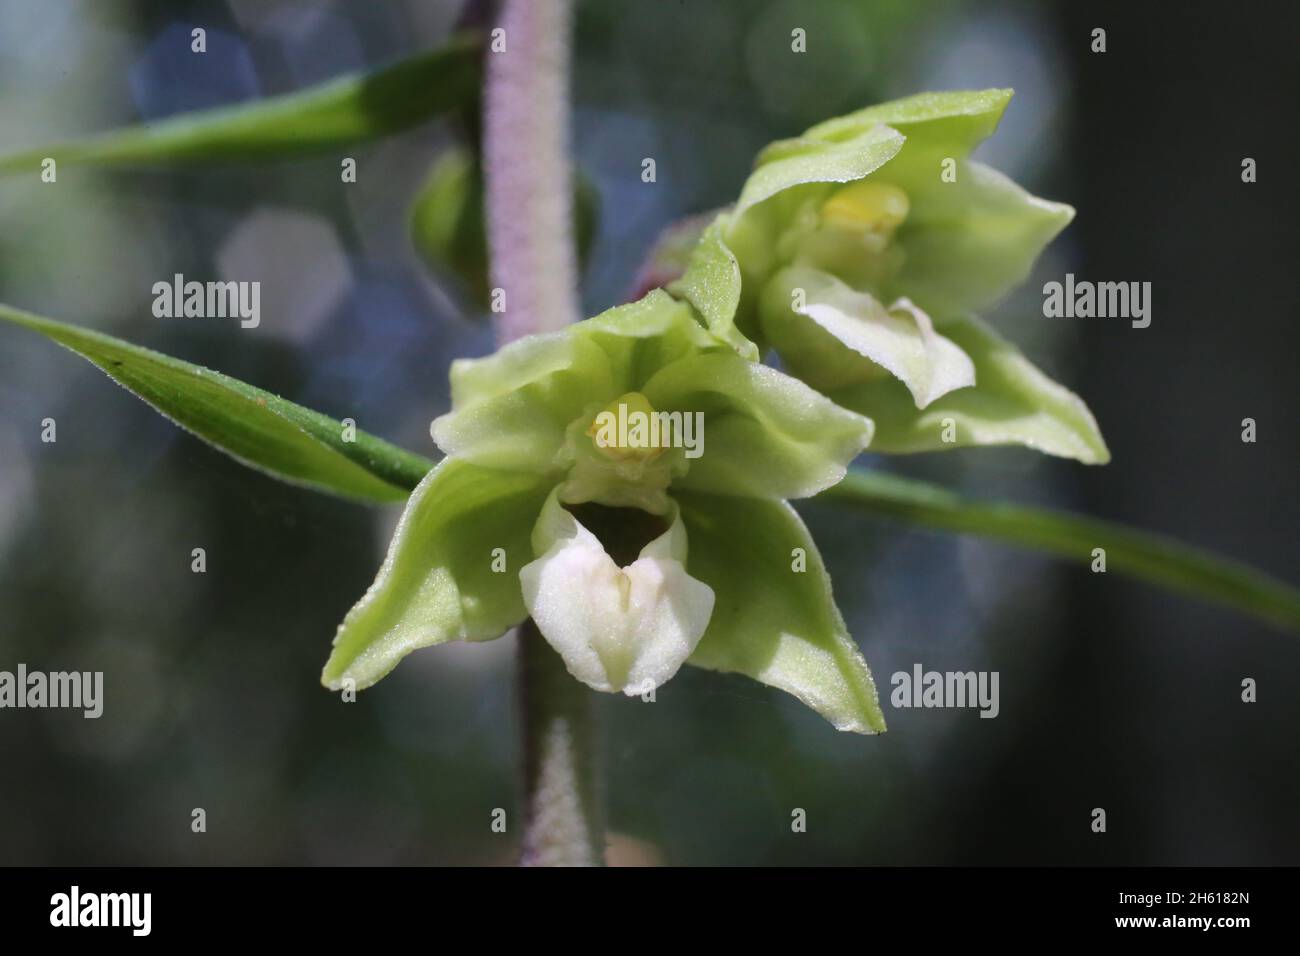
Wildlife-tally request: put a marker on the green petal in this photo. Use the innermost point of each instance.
(797, 162)
(510, 409)
(836, 335)
(776, 625)
(765, 434)
(1012, 403)
(969, 242)
(952, 122)
(641, 337)
(438, 582)
(255, 427)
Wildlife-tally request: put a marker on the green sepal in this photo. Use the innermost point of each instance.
(771, 621)
(451, 572)
(967, 243)
(1011, 403)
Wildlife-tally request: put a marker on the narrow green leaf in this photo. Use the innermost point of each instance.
(255, 427)
(1150, 557)
(349, 109)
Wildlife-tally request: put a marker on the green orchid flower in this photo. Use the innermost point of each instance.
(859, 252)
(633, 552)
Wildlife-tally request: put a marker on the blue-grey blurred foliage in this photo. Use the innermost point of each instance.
(1112, 695)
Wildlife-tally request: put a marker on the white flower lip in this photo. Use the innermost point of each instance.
(617, 629)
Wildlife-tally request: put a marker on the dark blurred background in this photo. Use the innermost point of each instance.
(1114, 694)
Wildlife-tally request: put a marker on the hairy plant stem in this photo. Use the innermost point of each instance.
(527, 171)
(562, 816)
(528, 181)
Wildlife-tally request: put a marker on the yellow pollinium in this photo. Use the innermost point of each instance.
(874, 208)
(626, 429)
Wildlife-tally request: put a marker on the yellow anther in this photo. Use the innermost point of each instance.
(877, 208)
(627, 429)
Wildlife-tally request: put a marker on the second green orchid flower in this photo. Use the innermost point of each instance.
(859, 251)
